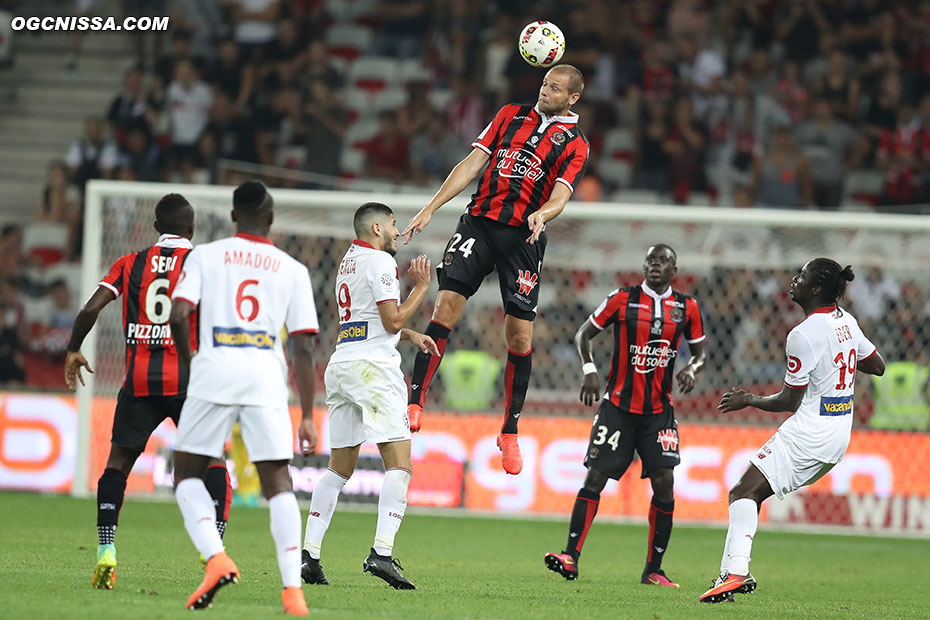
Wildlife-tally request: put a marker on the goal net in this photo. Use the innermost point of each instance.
(736, 262)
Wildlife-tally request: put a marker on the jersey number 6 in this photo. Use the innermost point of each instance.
(241, 297)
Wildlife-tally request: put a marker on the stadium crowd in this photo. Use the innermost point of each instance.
(761, 103)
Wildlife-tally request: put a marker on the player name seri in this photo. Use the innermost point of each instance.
(252, 259)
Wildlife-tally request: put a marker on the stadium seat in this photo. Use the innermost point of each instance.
(358, 102)
(352, 161)
(341, 11)
(615, 172)
(414, 71)
(348, 42)
(360, 132)
(389, 99)
(373, 73)
(619, 144)
(699, 199)
(46, 241)
(440, 99)
(863, 186)
(636, 196)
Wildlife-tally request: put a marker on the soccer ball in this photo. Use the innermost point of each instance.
(541, 44)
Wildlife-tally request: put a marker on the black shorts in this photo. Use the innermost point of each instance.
(616, 434)
(481, 245)
(137, 417)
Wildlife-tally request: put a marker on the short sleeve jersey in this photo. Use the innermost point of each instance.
(530, 152)
(145, 281)
(248, 291)
(823, 351)
(366, 279)
(648, 328)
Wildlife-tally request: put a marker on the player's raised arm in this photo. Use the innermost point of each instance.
(788, 400)
(395, 316)
(461, 177)
(83, 323)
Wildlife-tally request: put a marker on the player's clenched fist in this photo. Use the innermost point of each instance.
(419, 271)
(306, 433)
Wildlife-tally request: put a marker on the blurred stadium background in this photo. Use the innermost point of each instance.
(751, 136)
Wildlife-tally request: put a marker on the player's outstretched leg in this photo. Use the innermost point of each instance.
(322, 506)
(516, 381)
(111, 489)
(734, 573)
(566, 563)
(424, 367)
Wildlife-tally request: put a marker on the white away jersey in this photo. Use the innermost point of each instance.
(366, 279)
(823, 351)
(247, 290)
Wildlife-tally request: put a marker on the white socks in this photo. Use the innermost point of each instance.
(285, 530)
(744, 519)
(391, 506)
(322, 507)
(199, 516)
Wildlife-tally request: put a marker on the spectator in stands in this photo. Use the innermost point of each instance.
(12, 363)
(146, 8)
(315, 64)
(93, 156)
(840, 87)
(831, 148)
(141, 155)
(401, 24)
(284, 55)
(254, 26)
(388, 153)
(800, 31)
(50, 325)
(685, 146)
(415, 114)
(789, 92)
(434, 152)
(129, 107)
(466, 113)
(887, 51)
(275, 125)
(883, 110)
(60, 199)
(12, 257)
(903, 154)
(498, 49)
(873, 294)
(781, 176)
(651, 132)
(325, 124)
(657, 79)
(203, 21)
(701, 72)
(762, 75)
(228, 74)
(188, 100)
(180, 50)
(204, 166)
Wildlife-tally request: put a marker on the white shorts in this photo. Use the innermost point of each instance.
(367, 402)
(266, 431)
(786, 468)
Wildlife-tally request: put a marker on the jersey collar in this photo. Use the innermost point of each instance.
(655, 295)
(174, 241)
(570, 119)
(824, 310)
(364, 244)
(255, 238)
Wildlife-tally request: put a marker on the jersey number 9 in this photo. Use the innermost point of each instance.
(345, 302)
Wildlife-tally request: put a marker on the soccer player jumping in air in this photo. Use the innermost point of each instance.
(824, 352)
(155, 384)
(247, 291)
(636, 414)
(532, 157)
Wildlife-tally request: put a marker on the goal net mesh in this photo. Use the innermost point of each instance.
(737, 263)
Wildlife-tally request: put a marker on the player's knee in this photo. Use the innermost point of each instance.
(594, 481)
(519, 341)
(663, 484)
(121, 459)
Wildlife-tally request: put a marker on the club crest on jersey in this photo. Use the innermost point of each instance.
(669, 439)
(534, 139)
(448, 258)
(676, 314)
(526, 281)
(558, 138)
(593, 453)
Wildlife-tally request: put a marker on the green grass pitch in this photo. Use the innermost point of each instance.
(464, 567)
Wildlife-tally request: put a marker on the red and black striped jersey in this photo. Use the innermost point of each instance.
(145, 280)
(530, 153)
(647, 330)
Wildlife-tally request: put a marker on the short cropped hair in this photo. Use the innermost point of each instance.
(249, 197)
(174, 213)
(366, 214)
(575, 78)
